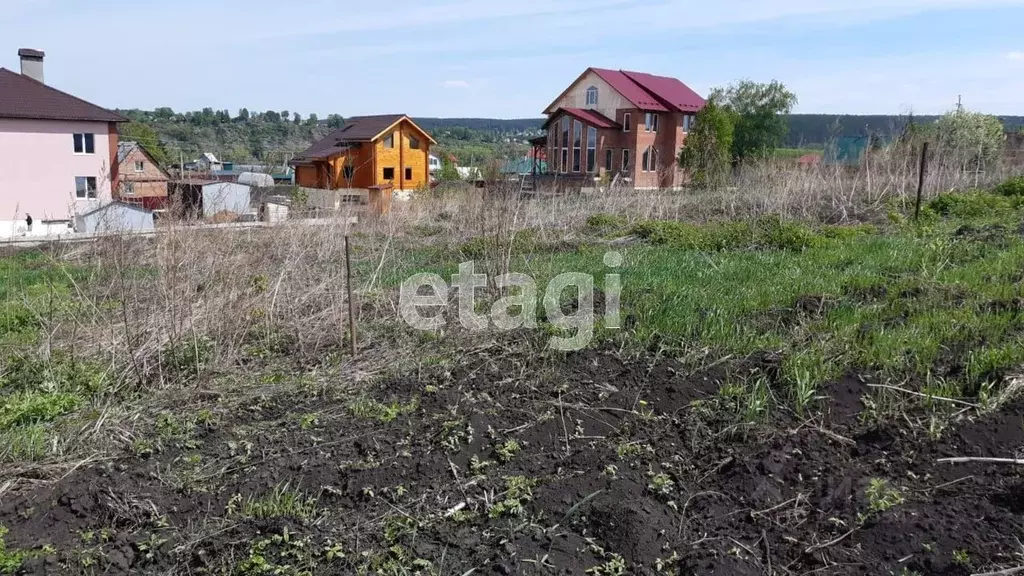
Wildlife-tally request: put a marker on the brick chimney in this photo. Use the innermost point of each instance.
(32, 63)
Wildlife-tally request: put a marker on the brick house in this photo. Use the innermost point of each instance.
(626, 124)
(58, 152)
(142, 180)
(368, 151)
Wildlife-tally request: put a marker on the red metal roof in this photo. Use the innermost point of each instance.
(630, 90)
(669, 91)
(23, 97)
(591, 117)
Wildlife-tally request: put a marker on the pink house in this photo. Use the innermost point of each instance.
(59, 152)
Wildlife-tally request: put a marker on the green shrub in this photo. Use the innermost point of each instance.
(973, 204)
(59, 372)
(774, 232)
(847, 232)
(606, 221)
(1012, 187)
(32, 407)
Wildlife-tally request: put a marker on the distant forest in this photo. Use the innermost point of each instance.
(276, 136)
(805, 130)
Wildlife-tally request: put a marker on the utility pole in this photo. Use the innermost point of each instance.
(959, 103)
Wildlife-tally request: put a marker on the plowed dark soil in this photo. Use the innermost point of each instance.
(637, 464)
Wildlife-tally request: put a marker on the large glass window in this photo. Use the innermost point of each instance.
(565, 144)
(577, 143)
(591, 149)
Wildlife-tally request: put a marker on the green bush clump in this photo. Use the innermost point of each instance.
(766, 232)
(34, 407)
(774, 232)
(973, 204)
(606, 221)
(1012, 187)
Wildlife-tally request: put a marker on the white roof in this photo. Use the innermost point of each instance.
(209, 157)
(255, 179)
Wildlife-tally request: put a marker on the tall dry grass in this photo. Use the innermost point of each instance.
(192, 301)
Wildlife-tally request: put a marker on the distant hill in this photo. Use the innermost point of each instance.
(811, 130)
(277, 136)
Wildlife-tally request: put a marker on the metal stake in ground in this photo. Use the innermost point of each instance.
(351, 302)
(920, 180)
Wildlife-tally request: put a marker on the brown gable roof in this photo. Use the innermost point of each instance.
(356, 129)
(23, 97)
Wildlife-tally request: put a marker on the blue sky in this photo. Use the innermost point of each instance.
(489, 58)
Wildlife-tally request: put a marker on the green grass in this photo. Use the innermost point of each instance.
(794, 153)
(907, 303)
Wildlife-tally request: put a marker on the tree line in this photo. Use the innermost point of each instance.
(274, 134)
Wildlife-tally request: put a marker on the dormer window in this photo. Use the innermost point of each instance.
(592, 96)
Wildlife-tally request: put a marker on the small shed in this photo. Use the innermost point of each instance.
(115, 217)
(225, 197)
(273, 212)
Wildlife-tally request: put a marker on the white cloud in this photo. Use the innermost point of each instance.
(455, 84)
(1015, 55)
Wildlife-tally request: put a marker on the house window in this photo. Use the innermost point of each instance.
(554, 148)
(591, 149)
(565, 144)
(389, 142)
(85, 187)
(389, 173)
(408, 173)
(140, 166)
(650, 163)
(592, 96)
(414, 143)
(625, 160)
(85, 143)
(129, 188)
(577, 142)
(347, 173)
(627, 119)
(686, 123)
(608, 159)
(651, 122)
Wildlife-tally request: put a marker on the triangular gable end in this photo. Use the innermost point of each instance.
(423, 132)
(142, 148)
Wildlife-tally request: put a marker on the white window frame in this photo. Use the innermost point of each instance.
(609, 159)
(85, 143)
(627, 120)
(625, 159)
(88, 189)
(577, 147)
(592, 91)
(129, 188)
(651, 122)
(565, 127)
(649, 162)
(591, 131)
(140, 165)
